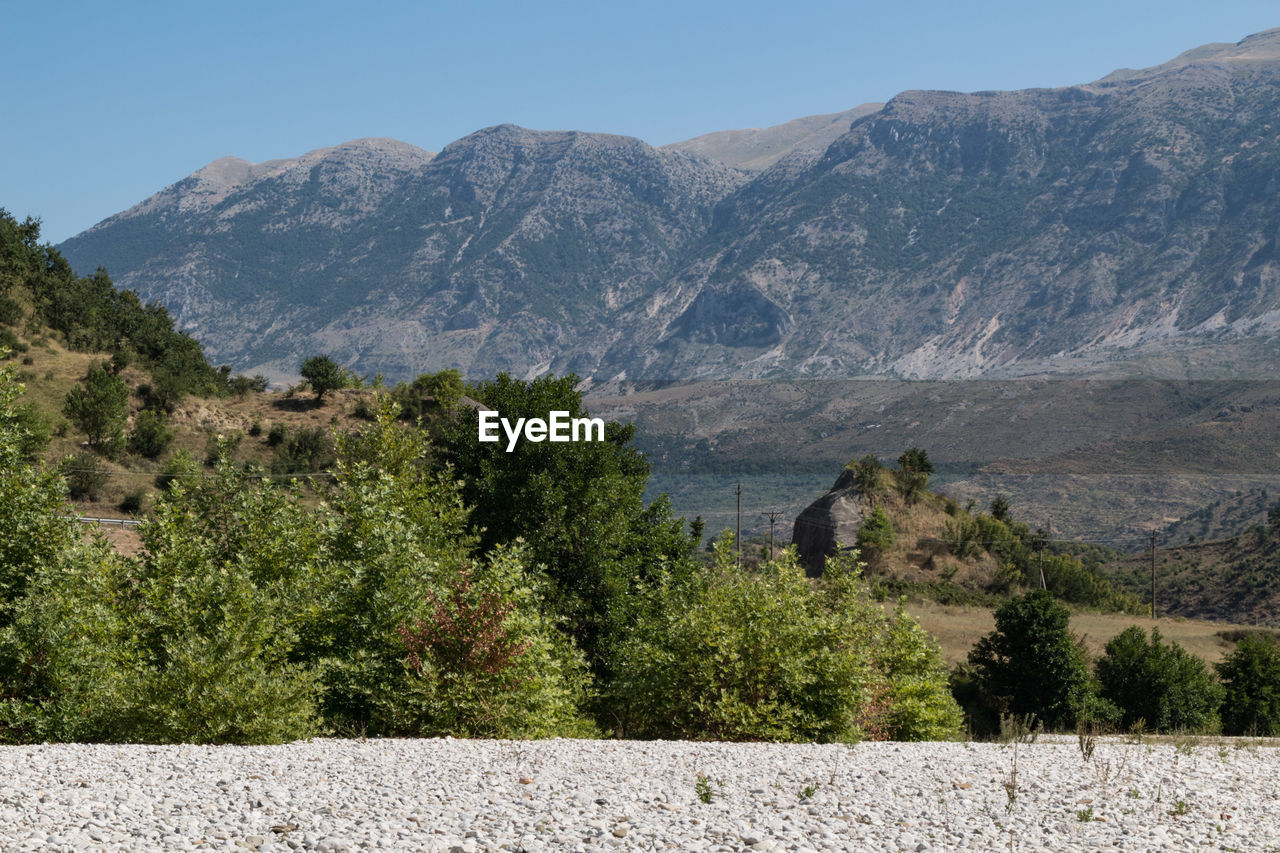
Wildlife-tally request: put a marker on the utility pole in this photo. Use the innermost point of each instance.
(1153, 574)
(773, 516)
(739, 539)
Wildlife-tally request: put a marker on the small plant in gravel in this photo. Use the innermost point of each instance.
(702, 787)
(1011, 784)
(1134, 794)
(1085, 815)
(1180, 808)
(806, 793)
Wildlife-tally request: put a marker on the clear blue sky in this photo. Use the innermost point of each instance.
(106, 103)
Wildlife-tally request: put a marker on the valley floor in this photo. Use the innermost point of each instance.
(443, 795)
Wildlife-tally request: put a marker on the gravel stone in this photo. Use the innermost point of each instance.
(331, 796)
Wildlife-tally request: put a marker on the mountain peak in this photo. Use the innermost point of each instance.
(1259, 47)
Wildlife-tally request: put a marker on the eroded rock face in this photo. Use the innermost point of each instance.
(829, 525)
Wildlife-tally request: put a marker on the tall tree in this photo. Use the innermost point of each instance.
(1031, 664)
(98, 406)
(578, 505)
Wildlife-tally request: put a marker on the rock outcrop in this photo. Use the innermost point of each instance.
(829, 525)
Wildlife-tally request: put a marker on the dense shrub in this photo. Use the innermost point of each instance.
(86, 476)
(877, 531)
(181, 466)
(151, 435)
(306, 451)
(920, 704)
(1251, 682)
(1161, 684)
(733, 654)
(1031, 664)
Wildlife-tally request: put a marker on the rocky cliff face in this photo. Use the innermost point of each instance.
(944, 235)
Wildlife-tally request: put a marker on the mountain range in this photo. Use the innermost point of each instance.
(1127, 226)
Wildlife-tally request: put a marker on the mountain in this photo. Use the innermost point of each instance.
(758, 148)
(506, 251)
(1126, 226)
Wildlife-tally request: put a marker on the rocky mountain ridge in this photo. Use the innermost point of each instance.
(1092, 228)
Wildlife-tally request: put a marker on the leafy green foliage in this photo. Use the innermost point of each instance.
(1159, 683)
(731, 654)
(578, 505)
(877, 531)
(497, 667)
(734, 654)
(99, 407)
(91, 315)
(1031, 664)
(1251, 683)
(85, 475)
(304, 451)
(151, 434)
(324, 375)
(32, 503)
(920, 704)
(443, 390)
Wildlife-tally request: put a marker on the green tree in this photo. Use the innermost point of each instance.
(578, 505)
(323, 375)
(867, 473)
(1160, 683)
(86, 476)
(1251, 681)
(921, 706)
(877, 531)
(1031, 664)
(99, 407)
(36, 524)
(151, 435)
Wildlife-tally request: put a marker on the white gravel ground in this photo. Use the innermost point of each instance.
(330, 795)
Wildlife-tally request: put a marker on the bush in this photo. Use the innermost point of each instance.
(276, 435)
(877, 531)
(490, 665)
(1158, 683)
(1251, 683)
(86, 476)
(132, 503)
(33, 431)
(306, 451)
(730, 654)
(1031, 664)
(181, 466)
(151, 435)
(921, 706)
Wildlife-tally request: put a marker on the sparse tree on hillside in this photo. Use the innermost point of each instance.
(323, 375)
(98, 406)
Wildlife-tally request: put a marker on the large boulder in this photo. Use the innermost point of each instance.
(829, 525)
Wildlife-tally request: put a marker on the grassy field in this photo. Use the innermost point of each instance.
(958, 628)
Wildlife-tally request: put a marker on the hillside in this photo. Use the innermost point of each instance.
(1236, 579)
(1122, 227)
(1105, 460)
